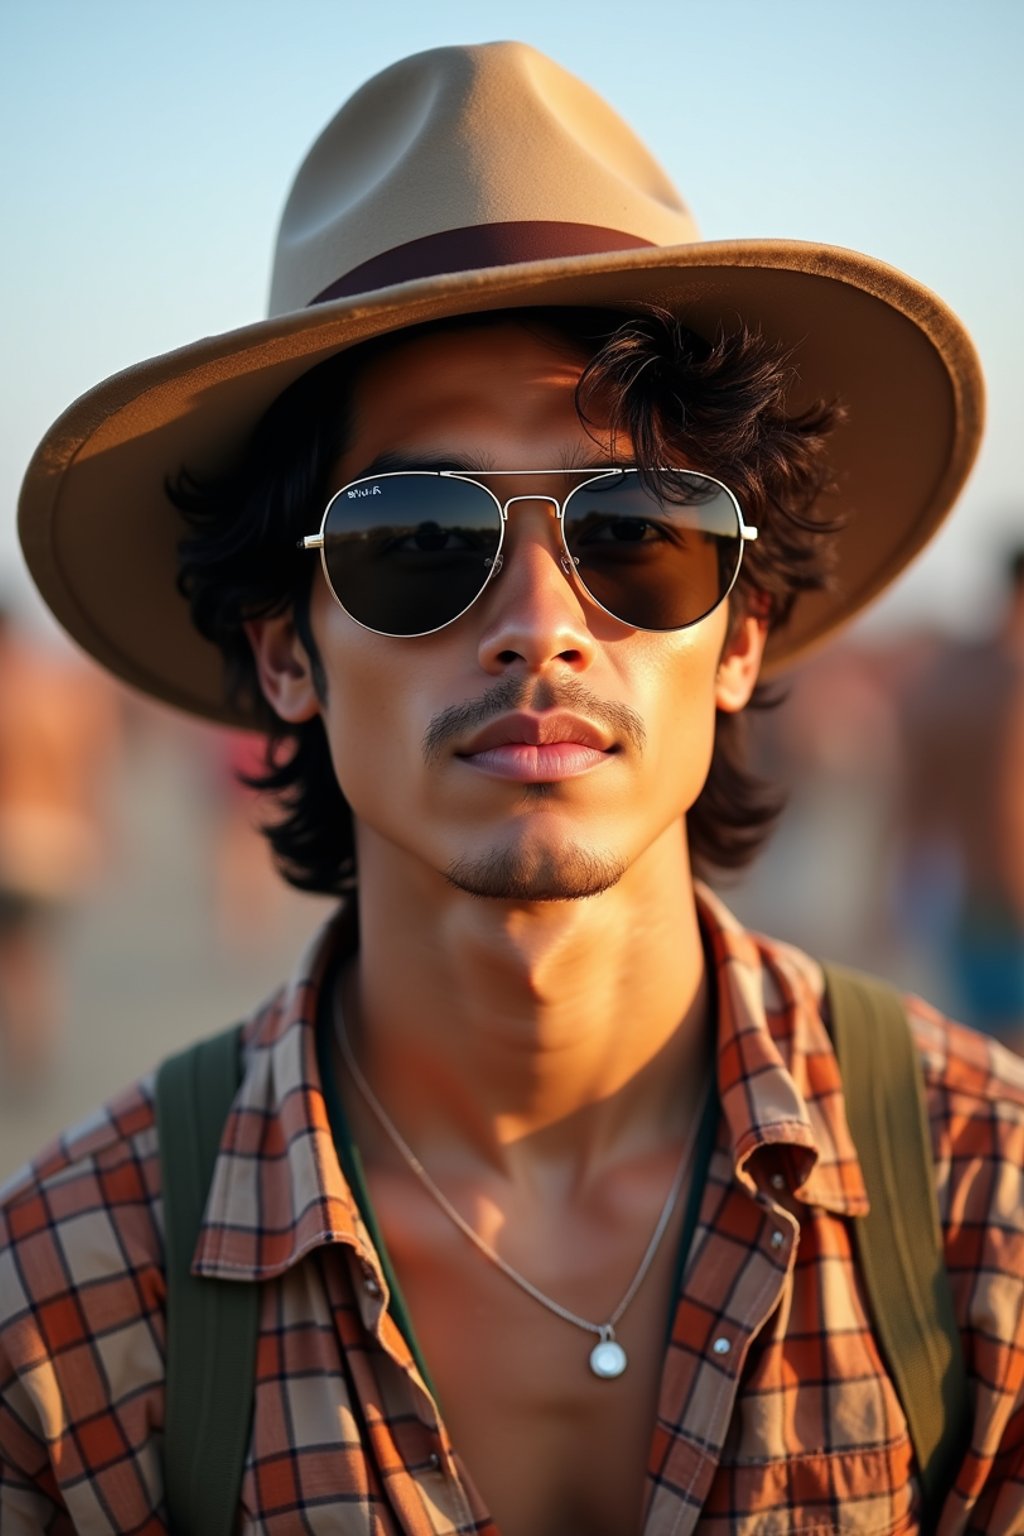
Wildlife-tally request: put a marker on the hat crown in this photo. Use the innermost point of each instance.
(461, 158)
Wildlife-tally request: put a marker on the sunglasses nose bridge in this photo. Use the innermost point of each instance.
(552, 502)
(556, 504)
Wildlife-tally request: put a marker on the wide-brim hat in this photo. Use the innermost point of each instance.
(464, 180)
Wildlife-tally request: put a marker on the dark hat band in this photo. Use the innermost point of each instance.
(477, 246)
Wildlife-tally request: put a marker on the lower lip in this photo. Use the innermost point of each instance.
(537, 765)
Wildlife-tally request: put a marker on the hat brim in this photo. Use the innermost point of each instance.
(100, 535)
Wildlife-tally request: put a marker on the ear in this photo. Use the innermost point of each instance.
(283, 667)
(740, 663)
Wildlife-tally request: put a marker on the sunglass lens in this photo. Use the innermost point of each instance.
(407, 553)
(659, 551)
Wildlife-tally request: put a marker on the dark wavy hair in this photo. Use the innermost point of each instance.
(719, 404)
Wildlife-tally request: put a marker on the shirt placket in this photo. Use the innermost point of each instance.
(430, 1498)
(733, 1286)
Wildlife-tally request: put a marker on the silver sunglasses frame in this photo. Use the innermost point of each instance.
(568, 562)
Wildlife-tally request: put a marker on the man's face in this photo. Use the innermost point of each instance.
(460, 753)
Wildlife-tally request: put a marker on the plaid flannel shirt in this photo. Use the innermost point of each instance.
(775, 1415)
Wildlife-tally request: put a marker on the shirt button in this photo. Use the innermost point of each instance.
(721, 1346)
(434, 1461)
(371, 1284)
(777, 1181)
(777, 1239)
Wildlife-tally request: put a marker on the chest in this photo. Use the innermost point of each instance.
(548, 1446)
(769, 1412)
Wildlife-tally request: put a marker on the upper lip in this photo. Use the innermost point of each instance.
(537, 731)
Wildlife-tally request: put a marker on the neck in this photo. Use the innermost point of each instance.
(568, 1031)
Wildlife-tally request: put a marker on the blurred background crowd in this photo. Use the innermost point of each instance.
(139, 907)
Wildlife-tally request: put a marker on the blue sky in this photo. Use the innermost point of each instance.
(147, 150)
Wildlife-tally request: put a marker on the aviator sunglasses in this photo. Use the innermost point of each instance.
(407, 553)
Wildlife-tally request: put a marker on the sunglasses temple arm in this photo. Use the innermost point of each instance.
(311, 541)
(746, 532)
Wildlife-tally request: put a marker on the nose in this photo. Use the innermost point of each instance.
(535, 613)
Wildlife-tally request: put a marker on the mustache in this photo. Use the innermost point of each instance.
(512, 693)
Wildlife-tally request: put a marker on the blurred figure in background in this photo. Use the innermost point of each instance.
(963, 885)
(58, 733)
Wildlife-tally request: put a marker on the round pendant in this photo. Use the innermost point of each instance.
(608, 1359)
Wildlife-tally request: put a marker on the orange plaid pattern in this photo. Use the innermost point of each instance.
(776, 1414)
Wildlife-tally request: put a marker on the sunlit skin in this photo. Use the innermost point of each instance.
(545, 1057)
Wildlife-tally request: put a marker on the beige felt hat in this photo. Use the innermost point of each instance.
(464, 180)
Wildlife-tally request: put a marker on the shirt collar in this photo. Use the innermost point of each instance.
(278, 1190)
(778, 1078)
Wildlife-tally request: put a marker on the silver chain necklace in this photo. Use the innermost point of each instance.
(608, 1359)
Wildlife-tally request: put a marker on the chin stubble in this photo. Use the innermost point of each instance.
(520, 874)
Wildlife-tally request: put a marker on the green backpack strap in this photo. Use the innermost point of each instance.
(211, 1324)
(899, 1244)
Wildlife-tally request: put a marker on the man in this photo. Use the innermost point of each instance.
(541, 1163)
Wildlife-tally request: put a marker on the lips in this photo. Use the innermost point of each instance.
(550, 729)
(538, 749)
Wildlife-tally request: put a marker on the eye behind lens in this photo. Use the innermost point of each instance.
(655, 561)
(413, 554)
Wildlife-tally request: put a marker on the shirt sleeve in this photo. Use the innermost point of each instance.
(29, 1499)
(82, 1334)
(976, 1108)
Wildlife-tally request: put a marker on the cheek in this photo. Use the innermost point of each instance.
(375, 713)
(368, 733)
(360, 691)
(682, 709)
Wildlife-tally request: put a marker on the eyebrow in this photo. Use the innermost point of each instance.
(396, 461)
